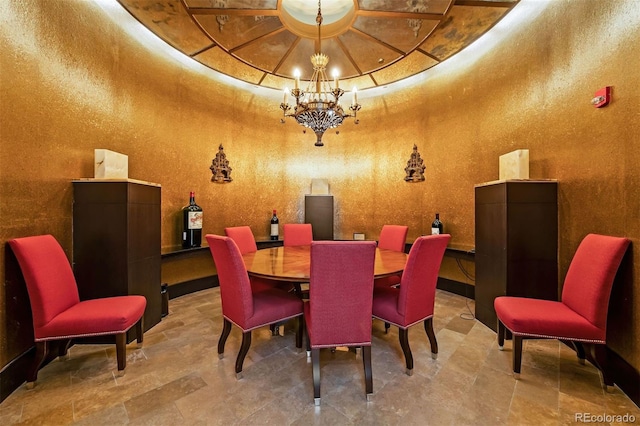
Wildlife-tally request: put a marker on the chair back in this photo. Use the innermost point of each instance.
(50, 282)
(588, 283)
(341, 292)
(393, 237)
(243, 237)
(420, 276)
(297, 234)
(235, 288)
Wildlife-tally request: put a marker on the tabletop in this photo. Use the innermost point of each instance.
(292, 263)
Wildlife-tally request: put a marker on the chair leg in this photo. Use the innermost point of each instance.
(246, 343)
(599, 355)
(42, 349)
(517, 355)
(501, 333)
(299, 332)
(428, 327)
(580, 352)
(63, 348)
(387, 326)
(121, 352)
(368, 374)
(315, 360)
(404, 343)
(308, 339)
(226, 329)
(140, 332)
(297, 289)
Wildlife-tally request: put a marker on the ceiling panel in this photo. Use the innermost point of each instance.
(368, 54)
(169, 20)
(403, 34)
(238, 30)
(267, 54)
(463, 26)
(424, 6)
(233, 4)
(410, 65)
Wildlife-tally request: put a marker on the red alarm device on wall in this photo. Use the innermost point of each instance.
(602, 97)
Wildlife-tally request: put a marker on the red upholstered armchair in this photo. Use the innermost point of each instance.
(58, 313)
(243, 307)
(338, 312)
(297, 234)
(413, 301)
(580, 316)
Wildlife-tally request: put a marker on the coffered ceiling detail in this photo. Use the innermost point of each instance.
(369, 42)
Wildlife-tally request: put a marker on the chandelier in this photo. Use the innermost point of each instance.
(318, 108)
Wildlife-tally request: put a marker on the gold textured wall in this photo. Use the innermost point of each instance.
(66, 92)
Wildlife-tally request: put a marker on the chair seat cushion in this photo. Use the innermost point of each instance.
(94, 317)
(545, 319)
(272, 305)
(385, 306)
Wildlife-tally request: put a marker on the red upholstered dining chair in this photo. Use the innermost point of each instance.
(58, 313)
(581, 314)
(413, 301)
(392, 237)
(243, 307)
(297, 234)
(246, 242)
(338, 312)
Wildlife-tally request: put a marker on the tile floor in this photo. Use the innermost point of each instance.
(177, 379)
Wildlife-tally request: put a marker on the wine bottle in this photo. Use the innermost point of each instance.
(436, 226)
(191, 223)
(274, 226)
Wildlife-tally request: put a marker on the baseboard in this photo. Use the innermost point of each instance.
(624, 375)
(191, 286)
(456, 287)
(14, 374)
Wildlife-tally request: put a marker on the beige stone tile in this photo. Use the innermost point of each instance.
(571, 406)
(166, 414)
(97, 398)
(168, 393)
(10, 412)
(537, 392)
(323, 415)
(460, 325)
(60, 414)
(114, 415)
(524, 411)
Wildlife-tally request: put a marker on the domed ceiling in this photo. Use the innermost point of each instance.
(369, 42)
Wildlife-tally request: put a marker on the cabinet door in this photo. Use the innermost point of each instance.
(491, 251)
(100, 240)
(318, 211)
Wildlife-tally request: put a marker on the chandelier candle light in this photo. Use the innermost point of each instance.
(318, 108)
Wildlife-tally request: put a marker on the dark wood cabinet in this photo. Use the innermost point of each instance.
(516, 231)
(318, 211)
(116, 241)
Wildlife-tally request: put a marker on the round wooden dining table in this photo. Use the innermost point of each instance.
(293, 263)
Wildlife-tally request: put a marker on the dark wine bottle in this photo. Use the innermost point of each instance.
(191, 223)
(274, 226)
(436, 226)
